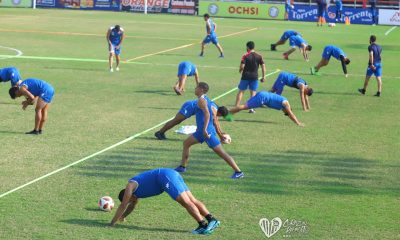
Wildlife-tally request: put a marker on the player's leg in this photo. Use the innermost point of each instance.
(182, 83)
(288, 52)
(243, 86)
(321, 63)
(191, 140)
(44, 117)
(379, 80)
(213, 223)
(40, 104)
(366, 81)
(238, 109)
(172, 123)
(117, 58)
(239, 97)
(253, 86)
(229, 160)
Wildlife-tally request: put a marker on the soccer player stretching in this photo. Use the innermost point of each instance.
(291, 80)
(374, 66)
(270, 100)
(331, 51)
(154, 182)
(211, 27)
(10, 74)
(285, 36)
(206, 132)
(39, 90)
(185, 69)
(115, 36)
(298, 41)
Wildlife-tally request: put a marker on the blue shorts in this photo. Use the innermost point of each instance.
(212, 142)
(278, 86)
(339, 6)
(377, 72)
(114, 50)
(172, 183)
(326, 55)
(187, 109)
(256, 102)
(248, 84)
(15, 77)
(211, 38)
(47, 94)
(321, 11)
(288, 7)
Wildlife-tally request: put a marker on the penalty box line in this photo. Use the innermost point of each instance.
(111, 147)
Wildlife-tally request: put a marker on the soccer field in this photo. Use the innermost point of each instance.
(339, 174)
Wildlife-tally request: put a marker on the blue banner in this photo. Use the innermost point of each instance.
(310, 13)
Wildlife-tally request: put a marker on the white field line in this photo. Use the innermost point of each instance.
(19, 53)
(391, 29)
(110, 147)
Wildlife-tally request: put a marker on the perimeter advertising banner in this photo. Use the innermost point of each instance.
(153, 6)
(15, 3)
(113, 5)
(242, 10)
(309, 13)
(389, 17)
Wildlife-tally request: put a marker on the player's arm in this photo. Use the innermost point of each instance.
(304, 51)
(124, 204)
(371, 60)
(202, 104)
(30, 99)
(241, 67)
(303, 97)
(291, 115)
(122, 39)
(197, 77)
(307, 101)
(344, 67)
(216, 123)
(238, 109)
(215, 27)
(129, 209)
(263, 70)
(108, 36)
(208, 26)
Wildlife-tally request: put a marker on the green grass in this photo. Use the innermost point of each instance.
(340, 173)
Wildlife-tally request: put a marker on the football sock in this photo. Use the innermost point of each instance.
(203, 223)
(210, 217)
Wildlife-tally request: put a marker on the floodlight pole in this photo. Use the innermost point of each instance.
(34, 4)
(145, 6)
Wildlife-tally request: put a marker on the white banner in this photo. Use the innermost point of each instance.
(389, 17)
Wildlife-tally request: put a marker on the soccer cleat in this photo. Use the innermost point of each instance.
(177, 91)
(111, 70)
(212, 225)
(314, 72)
(199, 230)
(160, 136)
(361, 90)
(252, 110)
(40, 131)
(201, 55)
(33, 132)
(273, 47)
(285, 56)
(117, 69)
(180, 169)
(229, 117)
(378, 94)
(237, 175)
(221, 56)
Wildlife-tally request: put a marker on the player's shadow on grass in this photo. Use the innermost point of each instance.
(11, 132)
(338, 93)
(254, 121)
(159, 92)
(103, 224)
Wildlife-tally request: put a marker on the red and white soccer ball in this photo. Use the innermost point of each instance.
(226, 139)
(106, 203)
(331, 24)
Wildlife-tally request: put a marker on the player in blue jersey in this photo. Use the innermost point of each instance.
(154, 182)
(298, 41)
(288, 8)
(10, 74)
(185, 69)
(339, 9)
(115, 36)
(285, 36)
(35, 90)
(211, 28)
(187, 110)
(291, 80)
(374, 66)
(331, 51)
(206, 132)
(271, 100)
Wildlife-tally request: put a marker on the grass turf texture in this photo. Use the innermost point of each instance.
(339, 173)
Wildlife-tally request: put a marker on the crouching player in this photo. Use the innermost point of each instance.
(154, 182)
(270, 100)
(285, 36)
(331, 51)
(35, 90)
(291, 80)
(10, 74)
(185, 69)
(298, 41)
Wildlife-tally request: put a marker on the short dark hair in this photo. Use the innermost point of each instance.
(223, 111)
(13, 92)
(372, 38)
(310, 91)
(121, 195)
(204, 86)
(117, 27)
(309, 47)
(347, 61)
(250, 45)
(206, 15)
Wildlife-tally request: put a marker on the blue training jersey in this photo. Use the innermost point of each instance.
(334, 51)
(200, 117)
(148, 183)
(297, 41)
(116, 36)
(212, 25)
(9, 74)
(36, 86)
(186, 68)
